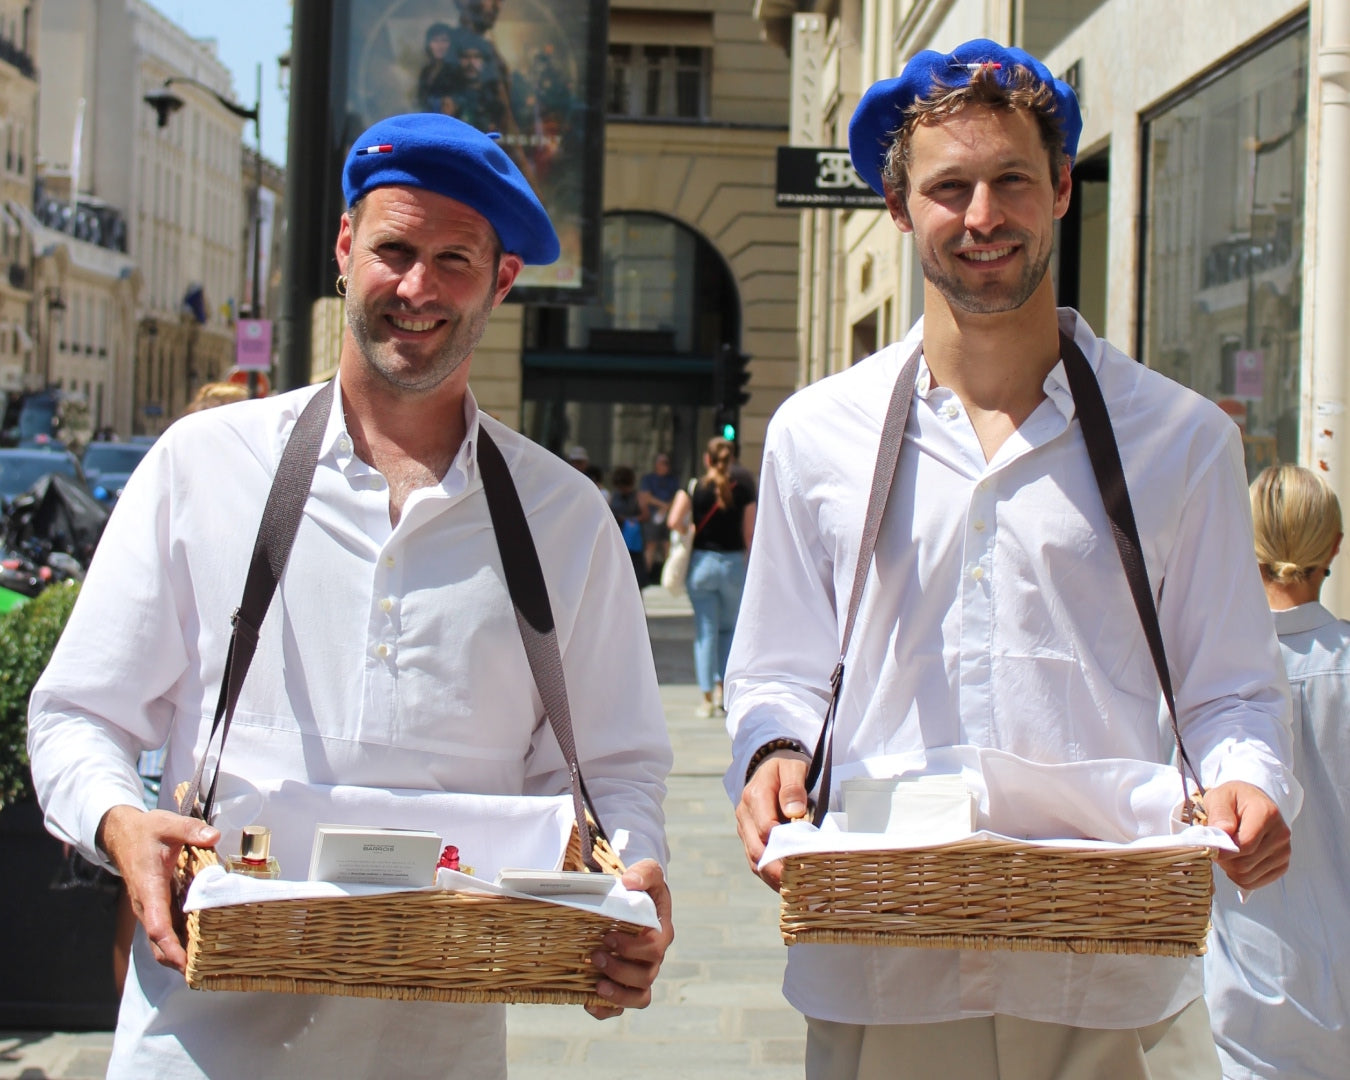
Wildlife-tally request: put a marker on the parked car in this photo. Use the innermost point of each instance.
(108, 466)
(22, 467)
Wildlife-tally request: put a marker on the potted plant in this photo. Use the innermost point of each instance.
(56, 921)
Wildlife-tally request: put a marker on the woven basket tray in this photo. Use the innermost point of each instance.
(985, 894)
(425, 946)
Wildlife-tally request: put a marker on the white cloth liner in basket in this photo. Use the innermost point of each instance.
(491, 832)
(1089, 805)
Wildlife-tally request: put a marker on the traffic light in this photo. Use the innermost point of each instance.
(731, 371)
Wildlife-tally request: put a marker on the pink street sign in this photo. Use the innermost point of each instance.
(253, 345)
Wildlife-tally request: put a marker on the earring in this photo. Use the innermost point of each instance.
(342, 285)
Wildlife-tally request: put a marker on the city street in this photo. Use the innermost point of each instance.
(718, 1012)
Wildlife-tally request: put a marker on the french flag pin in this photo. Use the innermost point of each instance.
(384, 148)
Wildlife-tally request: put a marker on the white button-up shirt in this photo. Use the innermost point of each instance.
(997, 614)
(390, 657)
(1277, 974)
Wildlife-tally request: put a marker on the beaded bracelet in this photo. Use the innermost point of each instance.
(770, 747)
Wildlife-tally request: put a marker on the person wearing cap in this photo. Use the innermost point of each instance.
(996, 613)
(390, 657)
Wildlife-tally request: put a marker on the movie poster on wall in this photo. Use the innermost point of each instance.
(530, 70)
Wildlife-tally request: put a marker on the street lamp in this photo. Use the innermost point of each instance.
(56, 309)
(166, 103)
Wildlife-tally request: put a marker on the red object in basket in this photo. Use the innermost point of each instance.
(449, 859)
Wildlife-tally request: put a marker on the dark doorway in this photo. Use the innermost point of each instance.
(632, 376)
(1082, 245)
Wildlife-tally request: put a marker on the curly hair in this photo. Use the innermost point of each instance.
(1021, 89)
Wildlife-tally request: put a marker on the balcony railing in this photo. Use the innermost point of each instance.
(15, 56)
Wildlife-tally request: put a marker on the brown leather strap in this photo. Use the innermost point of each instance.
(888, 454)
(1098, 434)
(529, 596)
(276, 534)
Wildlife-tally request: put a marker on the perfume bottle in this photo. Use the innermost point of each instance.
(253, 858)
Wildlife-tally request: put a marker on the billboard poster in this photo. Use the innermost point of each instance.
(531, 70)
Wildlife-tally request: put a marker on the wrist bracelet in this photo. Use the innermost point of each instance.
(770, 747)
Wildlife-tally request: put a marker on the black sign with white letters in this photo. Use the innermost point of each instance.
(812, 177)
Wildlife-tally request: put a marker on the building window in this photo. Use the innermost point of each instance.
(1223, 241)
(669, 81)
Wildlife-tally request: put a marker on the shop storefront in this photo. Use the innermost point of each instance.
(1222, 229)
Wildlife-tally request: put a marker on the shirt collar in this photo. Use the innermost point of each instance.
(1301, 619)
(1056, 382)
(337, 442)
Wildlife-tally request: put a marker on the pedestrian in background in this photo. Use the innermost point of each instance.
(1277, 973)
(722, 511)
(657, 490)
(631, 514)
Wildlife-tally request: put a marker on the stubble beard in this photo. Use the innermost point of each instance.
(382, 356)
(984, 301)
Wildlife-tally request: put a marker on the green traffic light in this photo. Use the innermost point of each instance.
(729, 432)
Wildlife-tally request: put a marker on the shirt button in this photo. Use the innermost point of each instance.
(385, 605)
(983, 485)
(975, 574)
(949, 410)
(389, 561)
(381, 651)
(979, 526)
(344, 444)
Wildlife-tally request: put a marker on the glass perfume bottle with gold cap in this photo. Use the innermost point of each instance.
(254, 858)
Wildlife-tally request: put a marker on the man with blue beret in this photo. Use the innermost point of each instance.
(996, 620)
(390, 658)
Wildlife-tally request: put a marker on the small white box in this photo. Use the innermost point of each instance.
(368, 856)
(548, 883)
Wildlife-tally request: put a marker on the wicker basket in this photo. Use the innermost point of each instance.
(988, 894)
(421, 946)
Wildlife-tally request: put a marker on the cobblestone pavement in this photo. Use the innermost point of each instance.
(718, 1013)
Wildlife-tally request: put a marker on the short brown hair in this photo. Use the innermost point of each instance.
(1021, 89)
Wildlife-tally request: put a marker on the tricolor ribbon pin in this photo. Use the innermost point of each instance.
(385, 148)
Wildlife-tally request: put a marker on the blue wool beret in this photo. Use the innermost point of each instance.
(452, 158)
(882, 109)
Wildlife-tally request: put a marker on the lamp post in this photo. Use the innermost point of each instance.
(146, 332)
(166, 103)
(56, 308)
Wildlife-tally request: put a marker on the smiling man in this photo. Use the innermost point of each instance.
(996, 613)
(391, 657)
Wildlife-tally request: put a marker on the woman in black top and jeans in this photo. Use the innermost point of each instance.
(721, 511)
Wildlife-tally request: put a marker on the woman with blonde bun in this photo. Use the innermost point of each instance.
(1277, 974)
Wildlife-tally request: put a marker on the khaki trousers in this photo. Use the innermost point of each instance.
(1180, 1047)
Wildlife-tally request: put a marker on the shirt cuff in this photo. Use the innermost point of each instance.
(100, 800)
(1263, 772)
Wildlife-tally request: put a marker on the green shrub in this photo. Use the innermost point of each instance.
(28, 634)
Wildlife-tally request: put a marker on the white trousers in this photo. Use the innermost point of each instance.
(1180, 1047)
